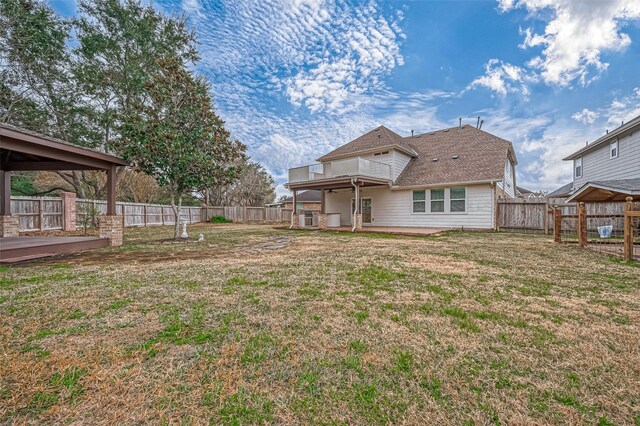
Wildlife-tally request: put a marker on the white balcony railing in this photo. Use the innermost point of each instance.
(355, 166)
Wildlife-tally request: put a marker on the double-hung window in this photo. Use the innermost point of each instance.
(613, 149)
(419, 202)
(437, 201)
(457, 200)
(577, 165)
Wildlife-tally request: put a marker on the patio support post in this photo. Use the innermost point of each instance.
(112, 225)
(9, 225)
(5, 201)
(357, 215)
(111, 191)
(582, 224)
(628, 231)
(295, 222)
(322, 216)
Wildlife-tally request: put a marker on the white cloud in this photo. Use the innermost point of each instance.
(575, 35)
(585, 116)
(503, 78)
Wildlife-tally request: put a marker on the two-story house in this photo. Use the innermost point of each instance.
(608, 169)
(448, 178)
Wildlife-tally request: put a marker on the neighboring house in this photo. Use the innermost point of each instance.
(305, 201)
(448, 178)
(527, 194)
(608, 169)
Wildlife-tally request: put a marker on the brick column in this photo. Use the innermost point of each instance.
(322, 221)
(68, 211)
(295, 224)
(9, 226)
(112, 227)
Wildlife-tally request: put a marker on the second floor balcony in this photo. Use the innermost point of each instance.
(356, 166)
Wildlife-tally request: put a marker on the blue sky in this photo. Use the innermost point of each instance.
(294, 79)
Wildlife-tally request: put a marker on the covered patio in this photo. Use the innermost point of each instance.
(23, 150)
(324, 220)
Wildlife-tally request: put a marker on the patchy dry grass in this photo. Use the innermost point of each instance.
(261, 326)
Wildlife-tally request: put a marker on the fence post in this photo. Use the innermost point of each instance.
(144, 210)
(582, 224)
(546, 218)
(557, 224)
(41, 214)
(628, 231)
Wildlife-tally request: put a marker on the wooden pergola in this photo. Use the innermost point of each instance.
(23, 150)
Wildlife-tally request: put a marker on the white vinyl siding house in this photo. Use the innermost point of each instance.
(396, 208)
(442, 179)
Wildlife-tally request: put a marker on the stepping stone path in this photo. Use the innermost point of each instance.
(275, 242)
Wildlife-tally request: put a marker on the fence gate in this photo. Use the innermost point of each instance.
(610, 228)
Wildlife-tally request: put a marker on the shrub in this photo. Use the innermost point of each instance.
(220, 219)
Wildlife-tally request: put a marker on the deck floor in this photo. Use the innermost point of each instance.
(15, 249)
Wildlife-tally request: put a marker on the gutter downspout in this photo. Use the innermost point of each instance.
(355, 211)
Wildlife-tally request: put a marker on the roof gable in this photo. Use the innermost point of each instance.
(378, 138)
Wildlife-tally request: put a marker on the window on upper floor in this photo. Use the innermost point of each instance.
(613, 149)
(577, 167)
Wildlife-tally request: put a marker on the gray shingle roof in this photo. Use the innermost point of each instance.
(623, 185)
(562, 191)
(481, 157)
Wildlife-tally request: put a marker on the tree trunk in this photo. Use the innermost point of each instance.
(176, 214)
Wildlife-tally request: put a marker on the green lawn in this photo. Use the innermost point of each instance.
(263, 326)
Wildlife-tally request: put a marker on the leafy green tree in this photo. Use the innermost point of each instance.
(176, 137)
(37, 90)
(119, 43)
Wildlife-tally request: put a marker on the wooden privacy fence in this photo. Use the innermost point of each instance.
(523, 216)
(42, 213)
(137, 214)
(537, 216)
(249, 214)
(48, 213)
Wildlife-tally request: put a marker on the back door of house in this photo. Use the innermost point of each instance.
(365, 209)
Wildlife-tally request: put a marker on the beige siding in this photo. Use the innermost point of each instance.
(597, 165)
(394, 208)
(400, 161)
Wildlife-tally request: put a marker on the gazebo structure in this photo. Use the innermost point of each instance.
(23, 150)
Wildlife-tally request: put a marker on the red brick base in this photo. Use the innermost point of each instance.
(112, 227)
(9, 226)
